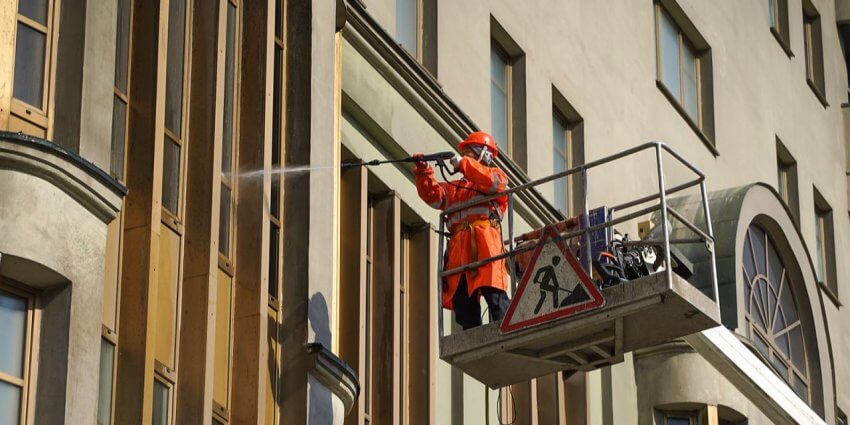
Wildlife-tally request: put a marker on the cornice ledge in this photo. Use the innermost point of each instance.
(401, 70)
(334, 374)
(90, 186)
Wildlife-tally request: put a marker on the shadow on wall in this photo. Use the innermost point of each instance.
(320, 397)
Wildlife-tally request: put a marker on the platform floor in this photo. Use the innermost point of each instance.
(637, 314)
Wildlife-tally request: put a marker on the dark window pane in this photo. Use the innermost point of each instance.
(780, 367)
(122, 45)
(689, 73)
(276, 100)
(29, 65)
(160, 404)
(119, 122)
(278, 27)
(171, 176)
(174, 68)
(499, 98)
(104, 396)
(678, 421)
(801, 388)
(274, 259)
(405, 25)
(275, 199)
(771, 6)
(229, 62)
(34, 9)
(13, 326)
(669, 55)
(559, 162)
(10, 403)
(224, 222)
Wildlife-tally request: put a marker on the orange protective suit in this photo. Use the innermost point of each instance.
(473, 237)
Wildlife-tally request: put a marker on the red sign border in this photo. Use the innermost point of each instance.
(596, 299)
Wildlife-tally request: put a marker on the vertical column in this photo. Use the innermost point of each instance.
(254, 152)
(352, 289)
(296, 210)
(385, 299)
(194, 389)
(134, 388)
(8, 18)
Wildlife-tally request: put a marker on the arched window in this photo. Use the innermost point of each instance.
(772, 321)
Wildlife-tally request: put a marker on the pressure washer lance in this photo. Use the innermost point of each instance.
(439, 157)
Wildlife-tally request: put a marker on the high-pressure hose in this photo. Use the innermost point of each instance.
(439, 157)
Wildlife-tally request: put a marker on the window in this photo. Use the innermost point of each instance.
(786, 181)
(772, 320)
(121, 90)
(34, 62)
(813, 42)
(416, 30)
(825, 245)
(844, 39)
(678, 419)
(161, 412)
(778, 15)
(567, 152)
(229, 133)
(507, 94)
(500, 72)
(385, 325)
(105, 385)
(174, 108)
(227, 207)
(16, 317)
(684, 69)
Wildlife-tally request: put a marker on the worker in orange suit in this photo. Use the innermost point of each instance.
(475, 231)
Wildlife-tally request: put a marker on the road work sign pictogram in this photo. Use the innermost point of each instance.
(553, 286)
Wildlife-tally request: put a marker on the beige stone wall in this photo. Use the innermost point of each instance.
(601, 57)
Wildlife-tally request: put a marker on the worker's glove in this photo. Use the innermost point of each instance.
(421, 166)
(456, 162)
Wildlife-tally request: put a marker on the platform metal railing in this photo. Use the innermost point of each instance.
(702, 235)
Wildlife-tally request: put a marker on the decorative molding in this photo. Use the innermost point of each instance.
(673, 347)
(80, 179)
(722, 348)
(334, 374)
(426, 95)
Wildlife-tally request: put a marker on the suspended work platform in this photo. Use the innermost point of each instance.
(609, 295)
(637, 314)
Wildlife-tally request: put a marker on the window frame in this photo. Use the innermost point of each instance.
(825, 241)
(27, 382)
(813, 48)
(765, 333)
(688, 37)
(780, 25)
(498, 50)
(787, 182)
(122, 96)
(39, 116)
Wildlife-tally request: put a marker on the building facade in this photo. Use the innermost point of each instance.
(180, 244)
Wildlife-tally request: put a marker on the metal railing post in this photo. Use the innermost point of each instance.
(665, 226)
(511, 262)
(711, 248)
(587, 249)
(440, 267)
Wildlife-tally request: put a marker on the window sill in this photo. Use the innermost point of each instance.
(673, 101)
(782, 42)
(830, 294)
(818, 93)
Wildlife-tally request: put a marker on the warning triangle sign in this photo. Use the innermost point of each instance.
(553, 286)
